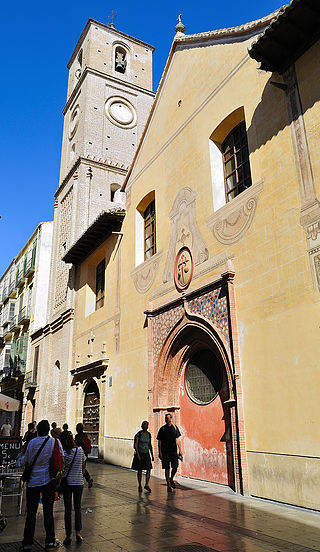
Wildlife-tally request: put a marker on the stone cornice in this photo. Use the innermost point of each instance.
(110, 29)
(55, 325)
(247, 28)
(91, 71)
(92, 161)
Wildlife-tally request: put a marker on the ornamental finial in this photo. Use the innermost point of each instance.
(179, 28)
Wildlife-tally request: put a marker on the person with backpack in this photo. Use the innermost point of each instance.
(38, 459)
(168, 439)
(82, 440)
(141, 460)
(75, 463)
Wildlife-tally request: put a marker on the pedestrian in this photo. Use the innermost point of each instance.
(75, 463)
(6, 429)
(55, 431)
(40, 483)
(63, 435)
(83, 441)
(141, 460)
(30, 434)
(168, 438)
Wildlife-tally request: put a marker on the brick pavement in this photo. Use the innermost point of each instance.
(197, 517)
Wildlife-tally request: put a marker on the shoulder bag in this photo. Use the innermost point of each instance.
(26, 474)
(63, 481)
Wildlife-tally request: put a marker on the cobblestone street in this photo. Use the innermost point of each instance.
(197, 517)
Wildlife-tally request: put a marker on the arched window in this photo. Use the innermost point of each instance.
(235, 152)
(146, 228)
(120, 59)
(229, 155)
(149, 217)
(113, 188)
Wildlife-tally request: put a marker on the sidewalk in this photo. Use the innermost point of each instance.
(197, 517)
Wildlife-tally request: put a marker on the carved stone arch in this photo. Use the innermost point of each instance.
(193, 333)
(189, 335)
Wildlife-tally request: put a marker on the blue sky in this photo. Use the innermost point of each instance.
(37, 39)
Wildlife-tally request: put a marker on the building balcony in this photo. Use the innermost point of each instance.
(4, 294)
(29, 269)
(6, 330)
(14, 325)
(12, 290)
(20, 279)
(24, 315)
(30, 381)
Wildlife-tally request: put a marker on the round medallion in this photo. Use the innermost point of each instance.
(74, 121)
(121, 112)
(183, 268)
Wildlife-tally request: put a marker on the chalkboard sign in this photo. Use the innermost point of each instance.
(9, 450)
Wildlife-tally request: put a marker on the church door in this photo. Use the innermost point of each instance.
(91, 411)
(204, 421)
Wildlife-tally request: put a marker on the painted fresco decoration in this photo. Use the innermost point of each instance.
(183, 268)
(184, 231)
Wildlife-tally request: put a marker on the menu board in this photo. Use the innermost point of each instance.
(9, 450)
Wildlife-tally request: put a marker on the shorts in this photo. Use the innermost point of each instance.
(143, 464)
(167, 459)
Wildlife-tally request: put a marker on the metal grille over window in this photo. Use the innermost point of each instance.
(149, 231)
(203, 377)
(236, 162)
(100, 282)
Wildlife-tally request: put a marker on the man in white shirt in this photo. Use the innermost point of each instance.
(6, 429)
(40, 482)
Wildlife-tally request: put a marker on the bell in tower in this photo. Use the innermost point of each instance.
(120, 60)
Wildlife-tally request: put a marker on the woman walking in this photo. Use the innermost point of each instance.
(74, 469)
(141, 460)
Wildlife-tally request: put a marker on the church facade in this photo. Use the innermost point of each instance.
(193, 288)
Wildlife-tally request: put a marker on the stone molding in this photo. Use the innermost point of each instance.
(256, 25)
(229, 223)
(184, 231)
(143, 275)
(93, 161)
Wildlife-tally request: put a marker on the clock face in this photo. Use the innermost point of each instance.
(121, 112)
(74, 121)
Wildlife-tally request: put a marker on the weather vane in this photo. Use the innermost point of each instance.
(111, 18)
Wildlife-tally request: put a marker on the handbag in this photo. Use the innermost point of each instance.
(63, 481)
(26, 474)
(56, 462)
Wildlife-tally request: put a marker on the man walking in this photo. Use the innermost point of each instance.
(168, 439)
(40, 482)
(6, 429)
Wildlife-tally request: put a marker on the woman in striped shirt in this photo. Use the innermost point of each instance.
(74, 469)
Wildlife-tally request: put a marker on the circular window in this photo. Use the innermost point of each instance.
(121, 112)
(74, 121)
(203, 377)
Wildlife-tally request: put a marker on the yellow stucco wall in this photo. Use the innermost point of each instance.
(276, 304)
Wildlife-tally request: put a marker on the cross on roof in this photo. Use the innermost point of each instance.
(111, 18)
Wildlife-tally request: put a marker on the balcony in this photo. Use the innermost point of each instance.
(12, 290)
(29, 268)
(19, 278)
(14, 325)
(4, 294)
(29, 381)
(24, 315)
(7, 330)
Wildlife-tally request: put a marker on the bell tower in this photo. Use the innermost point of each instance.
(109, 98)
(108, 101)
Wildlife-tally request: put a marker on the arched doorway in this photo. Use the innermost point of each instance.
(194, 378)
(91, 414)
(204, 419)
